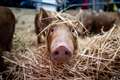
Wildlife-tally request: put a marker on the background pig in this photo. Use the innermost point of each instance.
(97, 23)
(7, 27)
(60, 40)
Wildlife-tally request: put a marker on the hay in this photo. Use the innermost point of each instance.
(98, 58)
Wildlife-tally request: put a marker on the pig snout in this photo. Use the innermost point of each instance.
(61, 54)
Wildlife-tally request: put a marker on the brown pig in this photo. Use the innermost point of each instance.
(7, 28)
(60, 41)
(97, 23)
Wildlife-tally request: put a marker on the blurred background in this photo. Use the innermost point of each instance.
(58, 5)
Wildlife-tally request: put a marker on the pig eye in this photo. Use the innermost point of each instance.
(52, 30)
(72, 30)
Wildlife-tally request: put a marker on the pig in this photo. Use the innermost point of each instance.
(61, 43)
(113, 15)
(97, 23)
(7, 28)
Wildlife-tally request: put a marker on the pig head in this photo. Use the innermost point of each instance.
(61, 43)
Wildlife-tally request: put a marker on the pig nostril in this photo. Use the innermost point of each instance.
(66, 52)
(56, 52)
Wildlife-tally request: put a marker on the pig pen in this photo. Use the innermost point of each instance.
(98, 57)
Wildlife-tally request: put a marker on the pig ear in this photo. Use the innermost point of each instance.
(42, 20)
(78, 26)
(44, 17)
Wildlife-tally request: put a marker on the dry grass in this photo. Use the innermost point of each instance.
(98, 57)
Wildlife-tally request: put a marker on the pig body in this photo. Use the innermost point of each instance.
(7, 28)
